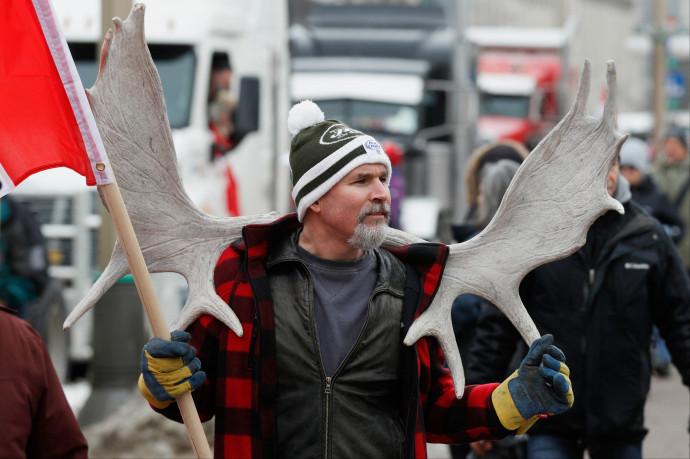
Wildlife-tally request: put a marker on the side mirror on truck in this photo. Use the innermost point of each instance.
(247, 110)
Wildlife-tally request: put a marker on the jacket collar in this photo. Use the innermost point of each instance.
(284, 249)
(428, 259)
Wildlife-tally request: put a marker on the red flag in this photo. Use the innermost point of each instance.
(45, 118)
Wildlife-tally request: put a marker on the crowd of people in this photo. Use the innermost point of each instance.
(321, 368)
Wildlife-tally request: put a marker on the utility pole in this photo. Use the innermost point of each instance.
(107, 235)
(659, 72)
(464, 108)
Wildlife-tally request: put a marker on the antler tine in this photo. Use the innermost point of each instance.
(116, 268)
(609, 115)
(202, 299)
(580, 106)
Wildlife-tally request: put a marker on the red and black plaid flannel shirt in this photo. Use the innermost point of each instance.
(240, 389)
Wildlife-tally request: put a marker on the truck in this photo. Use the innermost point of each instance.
(185, 39)
(523, 80)
(388, 70)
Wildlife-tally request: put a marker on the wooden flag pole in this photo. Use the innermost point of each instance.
(154, 313)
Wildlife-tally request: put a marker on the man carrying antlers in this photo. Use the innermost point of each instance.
(321, 369)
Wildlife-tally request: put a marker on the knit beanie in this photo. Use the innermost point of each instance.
(677, 133)
(634, 153)
(322, 152)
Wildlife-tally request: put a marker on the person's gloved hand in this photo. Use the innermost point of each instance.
(169, 369)
(539, 388)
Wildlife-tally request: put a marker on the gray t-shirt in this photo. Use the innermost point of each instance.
(341, 295)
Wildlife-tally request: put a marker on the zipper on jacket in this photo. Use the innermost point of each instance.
(330, 379)
(328, 396)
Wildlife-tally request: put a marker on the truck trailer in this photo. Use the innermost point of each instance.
(523, 79)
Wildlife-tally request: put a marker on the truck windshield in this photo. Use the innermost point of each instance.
(502, 105)
(369, 116)
(175, 63)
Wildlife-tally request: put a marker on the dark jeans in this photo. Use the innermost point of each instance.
(557, 447)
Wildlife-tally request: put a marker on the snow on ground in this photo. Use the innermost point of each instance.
(77, 394)
(133, 430)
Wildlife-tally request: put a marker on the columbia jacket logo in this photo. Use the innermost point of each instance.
(637, 266)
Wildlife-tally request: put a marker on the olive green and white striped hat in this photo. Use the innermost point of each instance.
(322, 152)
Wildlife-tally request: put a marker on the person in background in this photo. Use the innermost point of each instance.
(635, 165)
(35, 417)
(485, 154)
(600, 304)
(220, 122)
(671, 170)
(321, 369)
(222, 127)
(495, 178)
(397, 185)
(23, 258)
(221, 75)
(634, 158)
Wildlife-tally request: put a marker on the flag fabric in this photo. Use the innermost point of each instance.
(45, 118)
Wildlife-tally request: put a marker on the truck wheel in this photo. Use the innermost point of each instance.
(47, 316)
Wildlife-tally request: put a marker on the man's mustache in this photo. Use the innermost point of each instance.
(379, 208)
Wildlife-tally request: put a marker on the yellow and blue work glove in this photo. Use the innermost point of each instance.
(169, 369)
(539, 388)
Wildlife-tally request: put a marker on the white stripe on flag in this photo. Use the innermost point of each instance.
(75, 92)
(6, 183)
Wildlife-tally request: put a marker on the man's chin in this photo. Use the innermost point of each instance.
(369, 236)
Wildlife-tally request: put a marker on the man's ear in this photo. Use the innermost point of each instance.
(315, 206)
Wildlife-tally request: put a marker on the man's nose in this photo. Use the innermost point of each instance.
(380, 192)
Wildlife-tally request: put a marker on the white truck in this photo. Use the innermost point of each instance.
(183, 38)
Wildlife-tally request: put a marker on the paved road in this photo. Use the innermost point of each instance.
(666, 416)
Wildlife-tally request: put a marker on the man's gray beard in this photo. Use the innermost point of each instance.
(370, 236)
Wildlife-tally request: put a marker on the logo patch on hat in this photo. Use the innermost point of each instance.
(373, 148)
(338, 133)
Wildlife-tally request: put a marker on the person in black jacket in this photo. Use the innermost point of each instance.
(634, 159)
(600, 304)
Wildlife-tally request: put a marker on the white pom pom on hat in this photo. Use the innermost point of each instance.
(303, 115)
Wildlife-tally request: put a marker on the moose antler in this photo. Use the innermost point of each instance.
(174, 235)
(556, 195)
